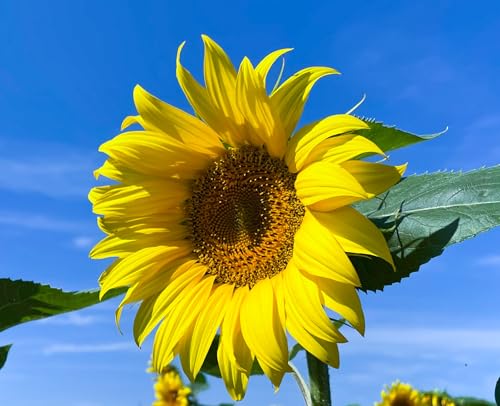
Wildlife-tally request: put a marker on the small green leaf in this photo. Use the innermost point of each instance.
(295, 350)
(389, 137)
(22, 301)
(424, 214)
(4, 351)
(200, 384)
(211, 366)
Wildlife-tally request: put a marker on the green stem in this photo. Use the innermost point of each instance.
(319, 381)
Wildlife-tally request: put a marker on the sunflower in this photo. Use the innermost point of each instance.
(437, 399)
(229, 220)
(169, 389)
(401, 394)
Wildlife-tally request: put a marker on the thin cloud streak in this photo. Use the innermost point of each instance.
(442, 342)
(40, 222)
(54, 170)
(87, 348)
(490, 260)
(73, 319)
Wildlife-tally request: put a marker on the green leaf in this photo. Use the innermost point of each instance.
(424, 214)
(295, 350)
(22, 301)
(389, 137)
(4, 351)
(200, 384)
(497, 392)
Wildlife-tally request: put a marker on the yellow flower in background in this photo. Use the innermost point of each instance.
(235, 221)
(170, 391)
(401, 394)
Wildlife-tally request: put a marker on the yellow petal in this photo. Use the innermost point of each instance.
(177, 123)
(324, 186)
(131, 120)
(317, 252)
(311, 135)
(343, 299)
(302, 298)
(325, 351)
(113, 246)
(167, 301)
(205, 326)
(262, 329)
(341, 148)
(155, 154)
(152, 284)
(220, 80)
(129, 269)
(179, 320)
(374, 178)
(235, 379)
(125, 228)
(203, 105)
(152, 197)
(290, 97)
(355, 233)
(231, 331)
(268, 61)
(254, 104)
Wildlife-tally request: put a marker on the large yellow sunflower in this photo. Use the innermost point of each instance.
(231, 220)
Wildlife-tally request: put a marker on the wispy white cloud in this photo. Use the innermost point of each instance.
(82, 242)
(73, 319)
(480, 138)
(47, 169)
(39, 222)
(63, 348)
(86, 403)
(490, 260)
(439, 339)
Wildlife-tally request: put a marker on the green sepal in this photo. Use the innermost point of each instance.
(4, 352)
(389, 138)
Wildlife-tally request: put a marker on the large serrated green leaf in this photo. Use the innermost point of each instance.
(423, 214)
(22, 301)
(389, 137)
(4, 351)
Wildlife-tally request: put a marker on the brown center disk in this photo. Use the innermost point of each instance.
(243, 214)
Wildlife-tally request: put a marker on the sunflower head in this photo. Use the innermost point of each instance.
(401, 394)
(437, 399)
(232, 221)
(169, 389)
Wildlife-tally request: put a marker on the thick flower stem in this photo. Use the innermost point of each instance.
(319, 381)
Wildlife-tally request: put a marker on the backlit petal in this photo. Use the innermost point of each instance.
(290, 97)
(323, 186)
(342, 148)
(374, 178)
(355, 233)
(310, 136)
(205, 326)
(317, 252)
(262, 329)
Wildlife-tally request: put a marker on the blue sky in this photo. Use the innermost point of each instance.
(67, 70)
